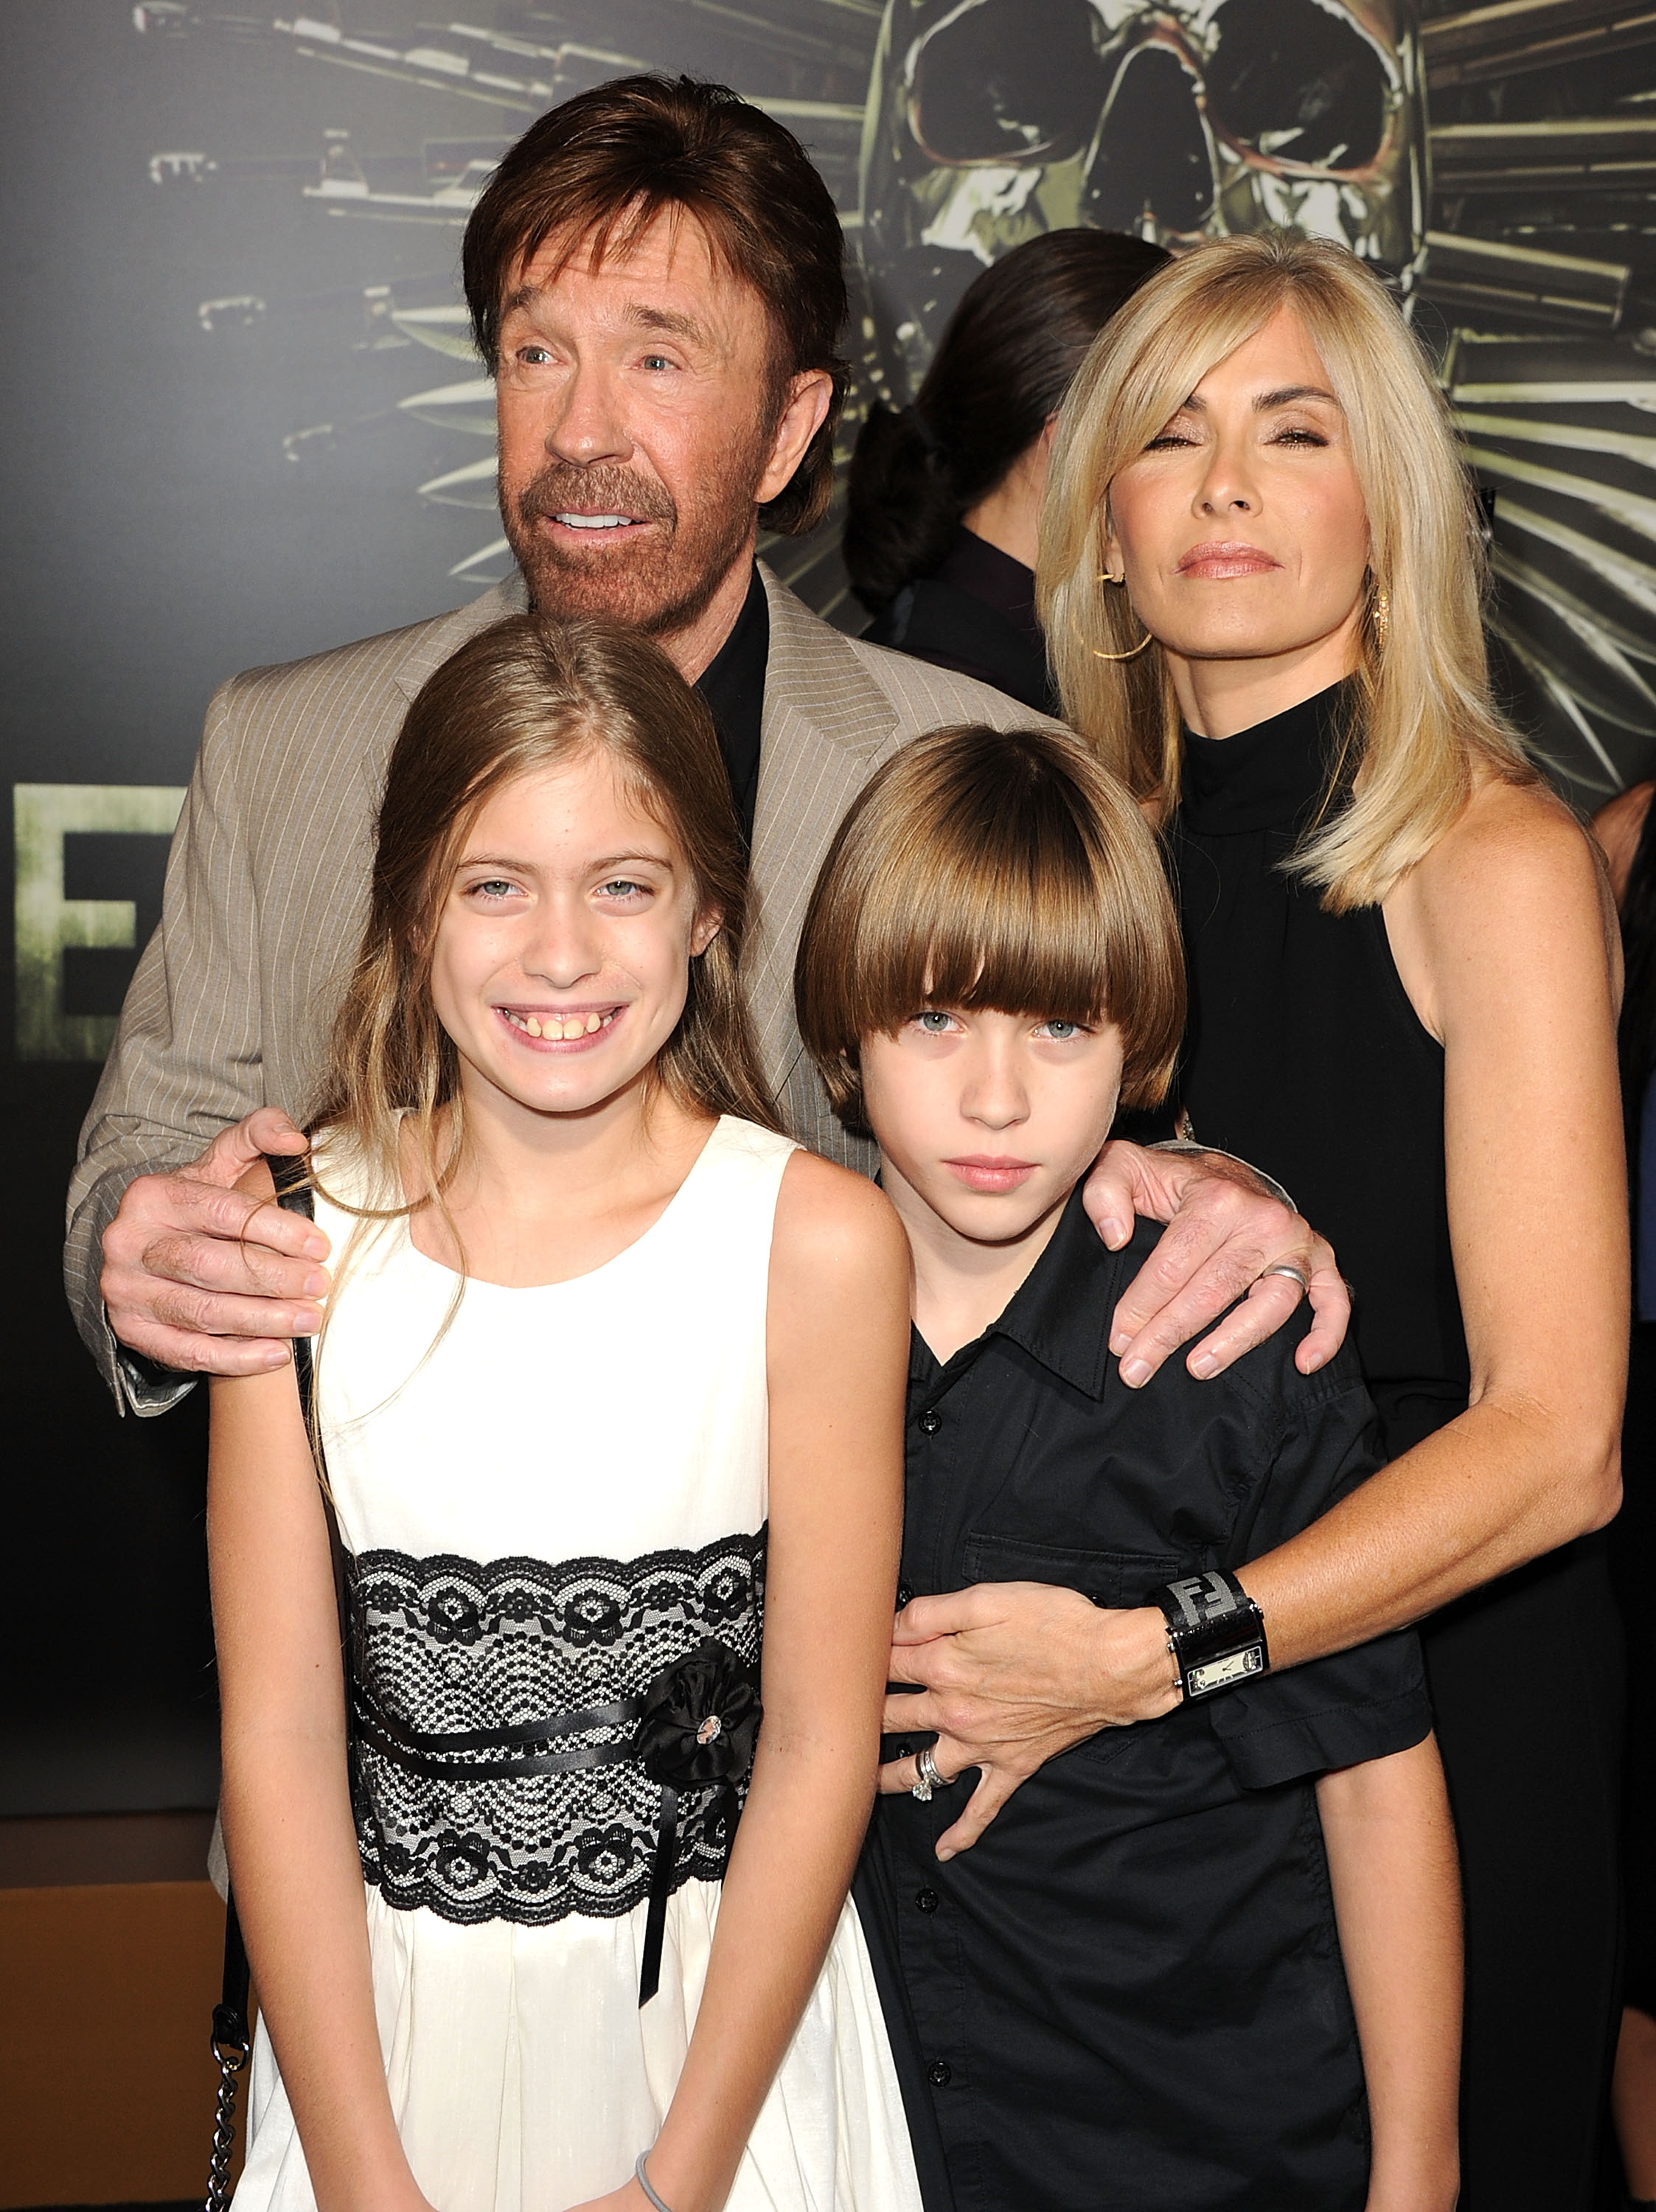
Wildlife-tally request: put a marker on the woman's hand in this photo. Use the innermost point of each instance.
(1012, 1673)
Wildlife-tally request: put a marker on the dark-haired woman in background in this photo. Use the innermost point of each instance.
(945, 496)
(1627, 830)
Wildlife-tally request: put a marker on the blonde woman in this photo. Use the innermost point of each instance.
(1261, 576)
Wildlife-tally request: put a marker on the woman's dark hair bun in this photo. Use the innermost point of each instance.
(903, 507)
(1002, 367)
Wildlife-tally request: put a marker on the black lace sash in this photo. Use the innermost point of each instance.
(640, 1678)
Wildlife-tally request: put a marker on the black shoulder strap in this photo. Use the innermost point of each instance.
(291, 1173)
(231, 2027)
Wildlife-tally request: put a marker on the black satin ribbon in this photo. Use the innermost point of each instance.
(422, 1751)
(661, 1884)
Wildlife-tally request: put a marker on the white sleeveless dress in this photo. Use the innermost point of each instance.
(548, 1513)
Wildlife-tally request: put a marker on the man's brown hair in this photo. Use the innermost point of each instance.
(991, 868)
(599, 169)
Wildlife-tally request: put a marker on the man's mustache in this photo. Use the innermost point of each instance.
(602, 489)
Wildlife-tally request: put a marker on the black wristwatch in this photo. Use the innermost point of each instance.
(1215, 1633)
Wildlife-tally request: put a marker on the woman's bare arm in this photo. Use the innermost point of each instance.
(1506, 943)
(1396, 1901)
(838, 1355)
(286, 1803)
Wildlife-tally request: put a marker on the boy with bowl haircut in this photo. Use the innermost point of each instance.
(1213, 1959)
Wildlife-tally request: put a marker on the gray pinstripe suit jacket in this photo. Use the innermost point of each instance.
(267, 885)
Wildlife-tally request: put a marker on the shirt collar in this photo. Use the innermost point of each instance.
(1270, 777)
(1060, 1314)
(973, 565)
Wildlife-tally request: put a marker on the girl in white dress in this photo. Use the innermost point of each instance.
(609, 1370)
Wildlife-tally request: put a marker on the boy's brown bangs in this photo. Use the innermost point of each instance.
(1004, 916)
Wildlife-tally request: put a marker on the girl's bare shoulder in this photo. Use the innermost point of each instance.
(834, 1227)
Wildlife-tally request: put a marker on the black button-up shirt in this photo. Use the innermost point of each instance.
(1129, 1994)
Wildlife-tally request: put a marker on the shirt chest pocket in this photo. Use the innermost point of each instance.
(1113, 1578)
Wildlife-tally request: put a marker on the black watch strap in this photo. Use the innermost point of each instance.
(1215, 1633)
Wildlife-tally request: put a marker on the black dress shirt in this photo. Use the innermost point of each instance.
(1129, 1994)
(977, 616)
(733, 685)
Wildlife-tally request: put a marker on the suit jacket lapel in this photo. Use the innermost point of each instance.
(430, 649)
(826, 725)
(449, 633)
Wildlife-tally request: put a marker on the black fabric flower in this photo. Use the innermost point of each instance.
(700, 1718)
(462, 1862)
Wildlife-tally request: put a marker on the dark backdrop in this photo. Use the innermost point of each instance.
(241, 424)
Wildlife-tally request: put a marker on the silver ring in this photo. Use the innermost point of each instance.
(926, 1768)
(1293, 1276)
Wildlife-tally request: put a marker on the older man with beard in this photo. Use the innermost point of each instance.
(655, 276)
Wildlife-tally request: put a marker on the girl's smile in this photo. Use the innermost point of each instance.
(579, 1028)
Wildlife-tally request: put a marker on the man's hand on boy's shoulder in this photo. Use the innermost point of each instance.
(1228, 1237)
(1009, 1675)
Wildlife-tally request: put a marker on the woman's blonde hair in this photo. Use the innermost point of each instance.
(1422, 728)
(525, 695)
(991, 868)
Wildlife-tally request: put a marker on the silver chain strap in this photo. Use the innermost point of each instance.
(232, 2057)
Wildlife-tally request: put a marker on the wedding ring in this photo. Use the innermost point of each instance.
(926, 1768)
(1293, 1276)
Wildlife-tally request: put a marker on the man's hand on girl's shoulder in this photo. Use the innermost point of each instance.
(1229, 1236)
(203, 1276)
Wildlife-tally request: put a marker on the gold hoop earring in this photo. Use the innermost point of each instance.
(1382, 616)
(1133, 651)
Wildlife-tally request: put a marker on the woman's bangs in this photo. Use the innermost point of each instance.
(1169, 362)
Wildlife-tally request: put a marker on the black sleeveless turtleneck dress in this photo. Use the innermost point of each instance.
(1304, 1055)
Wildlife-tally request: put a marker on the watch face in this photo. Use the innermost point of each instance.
(1200, 1681)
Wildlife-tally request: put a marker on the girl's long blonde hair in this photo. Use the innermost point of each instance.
(1423, 731)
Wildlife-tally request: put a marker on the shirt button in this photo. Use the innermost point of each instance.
(905, 1591)
(940, 2074)
(926, 1899)
(931, 1421)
